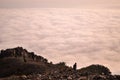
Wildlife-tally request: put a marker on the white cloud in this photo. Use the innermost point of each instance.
(70, 35)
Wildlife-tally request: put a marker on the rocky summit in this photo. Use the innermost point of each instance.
(20, 64)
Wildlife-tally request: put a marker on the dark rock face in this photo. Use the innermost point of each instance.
(19, 61)
(12, 52)
(20, 52)
(26, 65)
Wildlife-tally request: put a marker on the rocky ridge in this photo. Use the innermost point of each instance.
(19, 64)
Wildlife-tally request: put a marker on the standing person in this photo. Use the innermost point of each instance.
(75, 67)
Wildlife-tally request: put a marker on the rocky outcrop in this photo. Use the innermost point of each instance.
(17, 61)
(20, 52)
(19, 64)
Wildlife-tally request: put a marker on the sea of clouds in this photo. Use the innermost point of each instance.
(70, 35)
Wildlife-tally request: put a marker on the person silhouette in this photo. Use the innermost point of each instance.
(75, 67)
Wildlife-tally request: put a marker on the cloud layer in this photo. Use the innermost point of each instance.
(70, 35)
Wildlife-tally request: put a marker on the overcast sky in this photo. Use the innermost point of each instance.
(60, 3)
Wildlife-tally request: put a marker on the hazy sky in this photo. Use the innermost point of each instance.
(61, 3)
